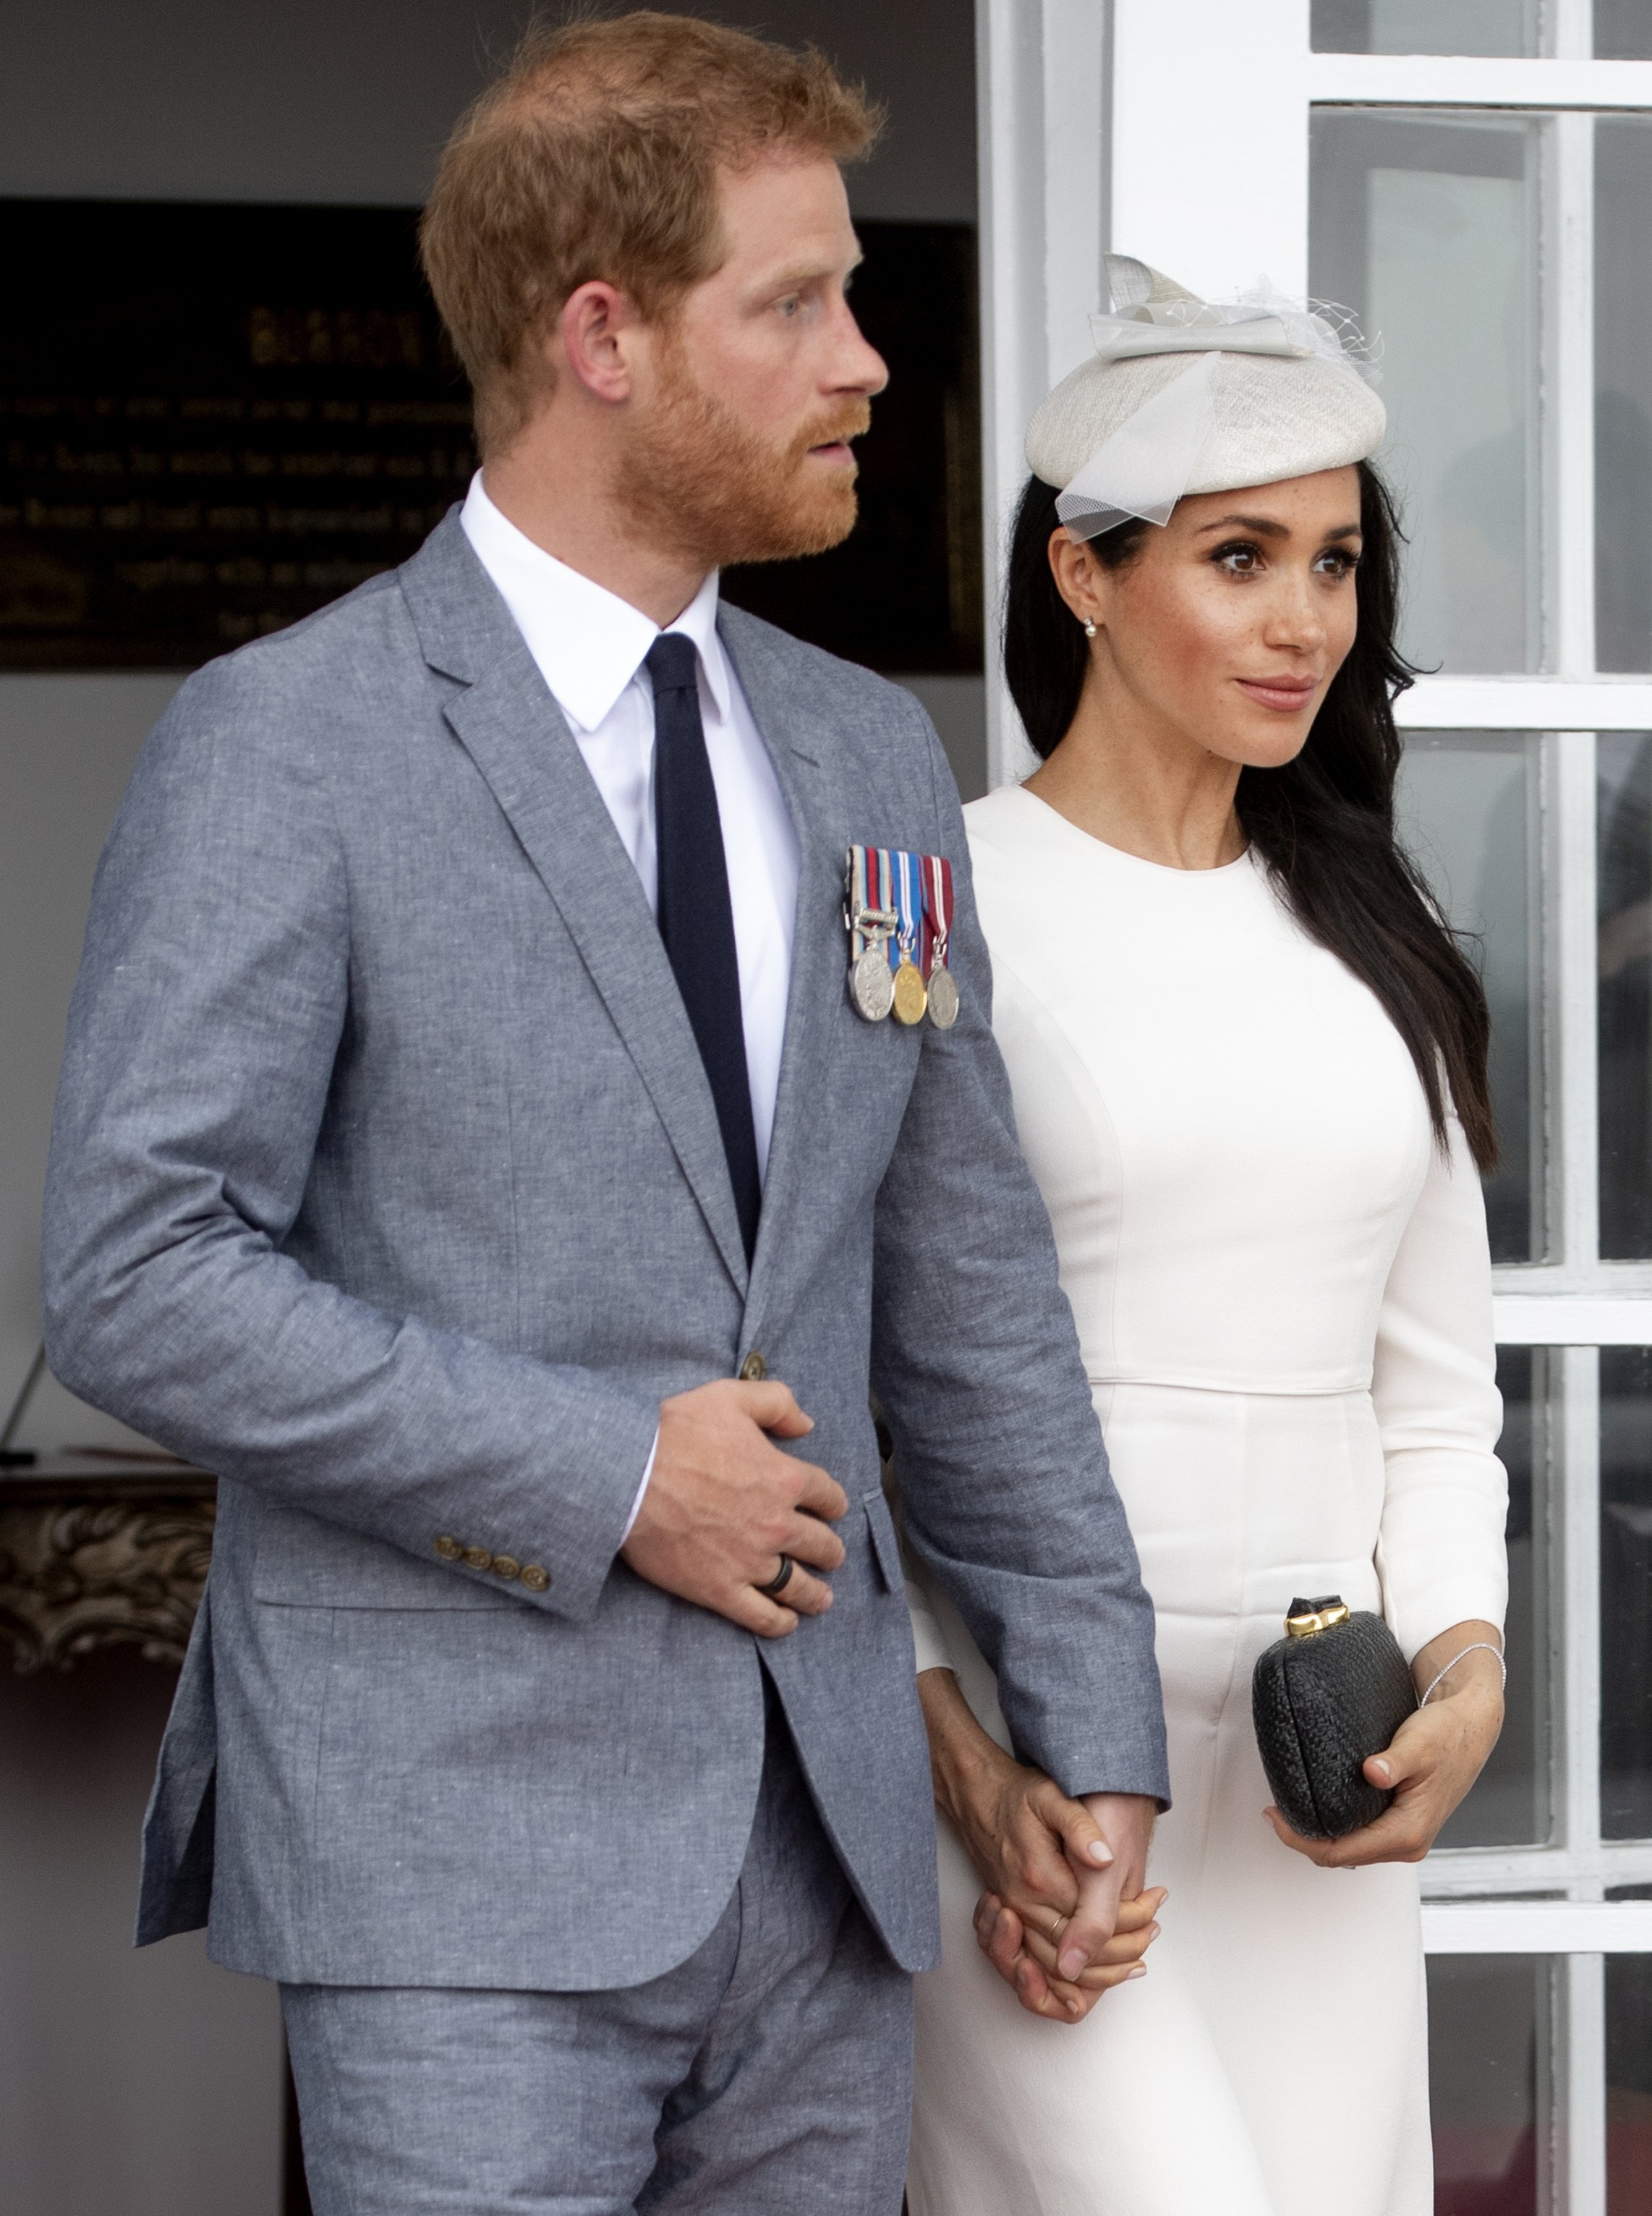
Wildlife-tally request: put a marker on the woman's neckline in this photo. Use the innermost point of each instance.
(1241, 862)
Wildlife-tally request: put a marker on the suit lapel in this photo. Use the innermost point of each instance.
(801, 748)
(513, 729)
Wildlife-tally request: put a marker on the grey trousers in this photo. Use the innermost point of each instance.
(769, 2074)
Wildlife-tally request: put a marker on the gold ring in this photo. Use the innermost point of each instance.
(1056, 1922)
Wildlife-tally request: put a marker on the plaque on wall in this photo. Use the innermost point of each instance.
(214, 420)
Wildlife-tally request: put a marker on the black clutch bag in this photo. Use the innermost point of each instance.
(1325, 1698)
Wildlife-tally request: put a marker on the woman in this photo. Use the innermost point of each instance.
(1249, 1071)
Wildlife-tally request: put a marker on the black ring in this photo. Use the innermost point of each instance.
(778, 1582)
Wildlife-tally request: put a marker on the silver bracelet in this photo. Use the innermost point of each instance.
(1480, 1647)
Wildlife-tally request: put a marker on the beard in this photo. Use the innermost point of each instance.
(706, 487)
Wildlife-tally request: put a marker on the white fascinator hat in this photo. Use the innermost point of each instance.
(1190, 396)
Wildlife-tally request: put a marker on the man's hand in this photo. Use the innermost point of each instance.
(724, 1505)
(1052, 1867)
(1125, 1823)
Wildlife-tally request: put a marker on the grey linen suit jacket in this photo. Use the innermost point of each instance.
(386, 1183)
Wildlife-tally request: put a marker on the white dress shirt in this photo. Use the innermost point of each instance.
(590, 646)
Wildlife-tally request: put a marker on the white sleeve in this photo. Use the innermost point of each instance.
(929, 1639)
(933, 1650)
(1442, 1556)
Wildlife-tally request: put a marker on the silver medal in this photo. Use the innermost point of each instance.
(871, 985)
(944, 998)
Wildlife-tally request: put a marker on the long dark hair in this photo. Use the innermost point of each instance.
(1323, 824)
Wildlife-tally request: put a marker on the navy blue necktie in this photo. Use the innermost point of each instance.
(696, 921)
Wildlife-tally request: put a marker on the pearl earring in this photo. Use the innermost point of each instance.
(1090, 627)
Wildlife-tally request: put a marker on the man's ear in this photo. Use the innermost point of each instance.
(594, 326)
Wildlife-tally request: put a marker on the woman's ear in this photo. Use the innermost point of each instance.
(1078, 575)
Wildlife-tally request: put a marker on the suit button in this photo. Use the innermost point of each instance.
(478, 1558)
(449, 1549)
(534, 1578)
(507, 1566)
(754, 1368)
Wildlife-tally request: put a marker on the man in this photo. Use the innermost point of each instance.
(465, 1127)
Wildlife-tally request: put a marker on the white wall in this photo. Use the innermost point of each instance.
(130, 2085)
(67, 745)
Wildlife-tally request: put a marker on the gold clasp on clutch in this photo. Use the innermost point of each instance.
(1323, 1618)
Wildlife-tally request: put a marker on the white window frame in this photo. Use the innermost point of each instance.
(1178, 131)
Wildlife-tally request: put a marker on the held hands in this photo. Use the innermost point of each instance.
(1063, 1918)
(724, 1505)
(1436, 1754)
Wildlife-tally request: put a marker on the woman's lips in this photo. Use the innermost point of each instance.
(1286, 695)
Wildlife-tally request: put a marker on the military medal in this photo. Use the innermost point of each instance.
(871, 987)
(870, 919)
(911, 993)
(937, 917)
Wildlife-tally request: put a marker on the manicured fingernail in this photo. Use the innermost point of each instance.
(1073, 1963)
(1152, 1932)
(1100, 1852)
(1383, 1771)
(1140, 1971)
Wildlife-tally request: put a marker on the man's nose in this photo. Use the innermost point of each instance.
(857, 366)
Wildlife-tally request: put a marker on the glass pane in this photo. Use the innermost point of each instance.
(1484, 2015)
(1508, 1805)
(1429, 27)
(1623, 387)
(1626, 1593)
(1622, 32)
(1623, 956)
(1629, 2076)
(1467, 806)
(1427, 230)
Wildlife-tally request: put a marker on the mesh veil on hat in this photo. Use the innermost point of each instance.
(1191, 396)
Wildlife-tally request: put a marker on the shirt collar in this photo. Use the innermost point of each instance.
(588, 642)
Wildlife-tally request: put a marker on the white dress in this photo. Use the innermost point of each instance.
(1283, 1298)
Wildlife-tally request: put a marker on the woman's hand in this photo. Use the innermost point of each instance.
(1026, 1959)
(1054, 1878)
(1437, 1754)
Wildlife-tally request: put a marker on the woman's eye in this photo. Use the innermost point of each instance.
(1337, 561)
(1239, 560)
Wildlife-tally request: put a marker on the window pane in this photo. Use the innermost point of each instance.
(1484, 2014)
(1626, 1593)
(1629, 2076)
(1427, 27)
(1426, 229)
(1622, 32)
(1623, 382)
(1624, 954)
(1509, 1806)
(1467, 809)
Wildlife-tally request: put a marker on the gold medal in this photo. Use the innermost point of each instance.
(944, 998)
(910, 997)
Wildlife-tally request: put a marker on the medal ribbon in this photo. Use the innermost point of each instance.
(937, 912)
(909, 906)
(869, 888)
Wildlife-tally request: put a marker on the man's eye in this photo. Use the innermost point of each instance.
(790, 306)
